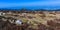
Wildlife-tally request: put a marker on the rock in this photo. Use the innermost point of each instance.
(18, 22)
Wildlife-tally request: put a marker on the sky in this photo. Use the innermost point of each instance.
(32, 4)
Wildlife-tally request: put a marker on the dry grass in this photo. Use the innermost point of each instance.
(35, 19)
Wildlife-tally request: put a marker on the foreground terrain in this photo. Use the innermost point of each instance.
(36, 20)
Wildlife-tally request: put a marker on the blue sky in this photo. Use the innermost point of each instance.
(44, 4)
